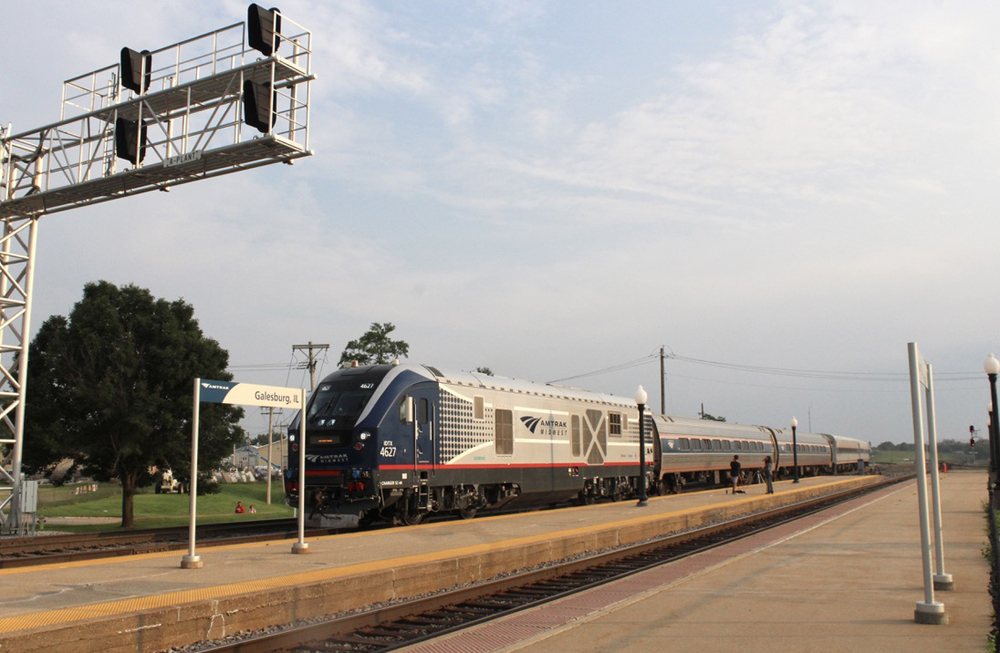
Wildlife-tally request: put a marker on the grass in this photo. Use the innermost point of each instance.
(156, 510)
(883, 457)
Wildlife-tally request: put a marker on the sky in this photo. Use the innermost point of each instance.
(781, 195)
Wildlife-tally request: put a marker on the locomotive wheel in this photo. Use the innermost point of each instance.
(467, 513)
(368, 518)
(586, 498)
(412, 518)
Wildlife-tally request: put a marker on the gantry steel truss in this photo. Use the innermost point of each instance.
(191, 116)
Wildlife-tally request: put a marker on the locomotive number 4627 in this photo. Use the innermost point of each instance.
(388, 449)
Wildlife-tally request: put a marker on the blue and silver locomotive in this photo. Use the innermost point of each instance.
(401, 441)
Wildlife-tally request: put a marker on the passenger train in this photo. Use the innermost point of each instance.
(402, 441)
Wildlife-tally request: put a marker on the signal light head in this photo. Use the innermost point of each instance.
(263, 28)
(259, 102)
(130, 140)
(136, 69)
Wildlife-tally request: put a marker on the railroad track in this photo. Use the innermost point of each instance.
(32, 551)
(407, 623)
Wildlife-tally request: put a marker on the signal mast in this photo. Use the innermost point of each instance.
(232, 99)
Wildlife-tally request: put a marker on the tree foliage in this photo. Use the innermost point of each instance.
(713, 418)
(111, 387)
(374, 346)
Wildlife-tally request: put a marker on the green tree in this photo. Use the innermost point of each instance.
(374, 346)
(713, 418)
(111, 387)
(485, 370)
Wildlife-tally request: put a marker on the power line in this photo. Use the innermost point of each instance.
(260, 367)
(827, 375)
(607, 370)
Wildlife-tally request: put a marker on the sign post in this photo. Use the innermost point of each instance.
(230, 392)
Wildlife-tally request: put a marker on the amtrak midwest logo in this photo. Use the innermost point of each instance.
(533, 422)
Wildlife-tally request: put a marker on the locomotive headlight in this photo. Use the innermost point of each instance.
(364, 435)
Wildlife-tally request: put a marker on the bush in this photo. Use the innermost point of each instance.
(208, 486)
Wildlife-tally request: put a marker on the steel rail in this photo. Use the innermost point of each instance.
(51, 549)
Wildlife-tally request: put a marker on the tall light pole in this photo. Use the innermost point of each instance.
(795, 451)
(640, 399)
(992, 367)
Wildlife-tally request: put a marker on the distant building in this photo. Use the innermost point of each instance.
(254, 456)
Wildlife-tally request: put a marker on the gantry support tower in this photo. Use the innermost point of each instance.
(232, 99)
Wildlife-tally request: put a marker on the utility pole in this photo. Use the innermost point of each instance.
(311, 365)
(663, 383)
(270, 437)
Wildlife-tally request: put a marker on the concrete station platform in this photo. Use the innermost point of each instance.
(849, 581)
(148, 603)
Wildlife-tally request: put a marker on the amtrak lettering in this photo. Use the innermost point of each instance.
(327, 458)
(533, 422)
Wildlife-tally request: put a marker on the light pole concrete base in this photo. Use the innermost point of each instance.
(300, 547)
(191, 562)
(930, 613)
(943, 582)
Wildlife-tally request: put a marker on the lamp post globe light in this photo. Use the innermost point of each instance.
(992, 367)
(795, 451)
(640, 399)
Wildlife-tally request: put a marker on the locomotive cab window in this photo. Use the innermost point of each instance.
(504, 432)
(335, 409)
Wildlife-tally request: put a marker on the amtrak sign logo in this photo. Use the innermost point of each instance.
(532, 423)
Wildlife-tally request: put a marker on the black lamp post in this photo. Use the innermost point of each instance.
(640, 399)
(795, 450)
(992, 368)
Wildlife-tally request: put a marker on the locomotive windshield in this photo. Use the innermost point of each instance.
(335, 410)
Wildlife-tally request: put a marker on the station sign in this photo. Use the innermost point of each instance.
(248, 394)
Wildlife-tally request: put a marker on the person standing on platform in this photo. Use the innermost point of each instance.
(734, 473)
(767, 475)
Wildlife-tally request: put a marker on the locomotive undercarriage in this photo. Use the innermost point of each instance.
(332, 507)
(613, 488)
(463, 500)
